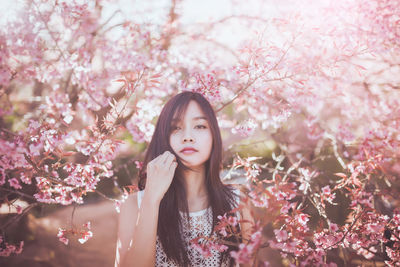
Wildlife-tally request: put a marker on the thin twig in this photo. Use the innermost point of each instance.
(108, 20)
(348, 230)
(243, 89)
(72, 216)
(17, 192)
(19, 216)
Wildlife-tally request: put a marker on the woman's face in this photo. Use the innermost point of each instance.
(191, 138)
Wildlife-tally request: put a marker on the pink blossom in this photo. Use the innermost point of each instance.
(232, 220)
(218, 247)
(33, 125)
(281, 235)
(61, 236)
(19, 209)
(223, 231)
(327, 194)
(77, 197)
(35, 148)
(333, 227)
(5, 77)
(45, 197)
(246, 251)
(138, 164)
(202, 247)
(259, 200)
(205, 83)
(15, 183)
(245, 128)
(326, 190)
(2, 176)
(367, 253)
(280, 196)
(7, 249)
(25, 178)
(289, 246)
(314, 131)
(396, 218)
(375, 227)
(345, 133)
(302, 218)
(85, 236)
(42, 182)
(19, 249)
(243, 255)
(87, 225)
(285, 208)
(226, 222)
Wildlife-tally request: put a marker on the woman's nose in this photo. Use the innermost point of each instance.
(187, 137)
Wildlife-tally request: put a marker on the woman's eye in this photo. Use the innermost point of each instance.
(175, 128)
(200, 127)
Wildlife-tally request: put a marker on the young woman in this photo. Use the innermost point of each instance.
(181, 192)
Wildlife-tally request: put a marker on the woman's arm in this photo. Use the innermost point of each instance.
(137, 232)
(126, 225)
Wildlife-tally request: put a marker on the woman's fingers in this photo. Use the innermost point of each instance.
(163, 157)
(159, 159)
(173, 166)
(163, 161)
(166, 158)
(160, 173)
(170, 158)
(169, 161)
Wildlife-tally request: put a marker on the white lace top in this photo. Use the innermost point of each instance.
(201, 224)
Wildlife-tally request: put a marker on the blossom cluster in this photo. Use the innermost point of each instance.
(83, 233)
(247, 250)
(7, 249)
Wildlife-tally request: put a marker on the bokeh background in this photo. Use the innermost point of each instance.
(306, 93)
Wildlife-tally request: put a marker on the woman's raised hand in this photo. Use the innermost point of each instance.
(160, 172)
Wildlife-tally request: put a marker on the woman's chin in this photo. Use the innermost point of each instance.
(196, 166)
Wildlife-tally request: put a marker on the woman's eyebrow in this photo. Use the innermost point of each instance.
(200, 118)
(175, 120)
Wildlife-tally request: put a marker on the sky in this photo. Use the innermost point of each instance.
(8, 9)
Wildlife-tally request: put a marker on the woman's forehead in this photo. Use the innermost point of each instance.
(192, 111)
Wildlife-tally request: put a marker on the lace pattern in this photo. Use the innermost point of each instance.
(201, 224)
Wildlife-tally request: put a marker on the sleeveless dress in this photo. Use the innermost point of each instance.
(201, 224)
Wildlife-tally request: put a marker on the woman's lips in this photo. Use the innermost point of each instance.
(188, 151)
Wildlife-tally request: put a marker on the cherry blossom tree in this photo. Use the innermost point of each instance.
(307, 97)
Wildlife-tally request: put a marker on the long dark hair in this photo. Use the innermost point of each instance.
(221, 197)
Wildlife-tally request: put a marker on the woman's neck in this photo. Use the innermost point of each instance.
(195, 186)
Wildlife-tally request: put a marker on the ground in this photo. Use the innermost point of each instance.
(43, 249)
